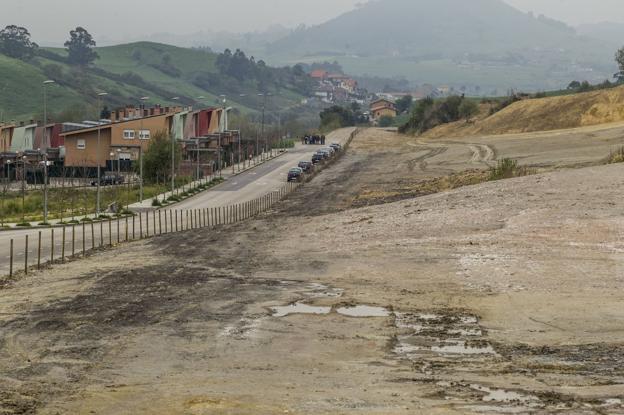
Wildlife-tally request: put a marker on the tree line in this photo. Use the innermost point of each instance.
(16, 42)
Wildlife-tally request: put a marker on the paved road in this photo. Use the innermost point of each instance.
(264, 179)
(204, 209)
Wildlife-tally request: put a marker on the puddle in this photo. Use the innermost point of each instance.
(323, 291)
(466, 332)
(363, 311)
(503, 396)
(462, 348)
(612, 402)
(299, 308)
(482, 409)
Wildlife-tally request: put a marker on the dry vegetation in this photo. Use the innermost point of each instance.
(544, 114)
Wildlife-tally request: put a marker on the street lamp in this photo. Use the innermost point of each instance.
(142, 99)
(264, 97)
(46, 138)
(23, 188)
(97, 156)
(173, 155)
(45, 185)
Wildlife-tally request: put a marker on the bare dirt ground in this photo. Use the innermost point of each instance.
(503, 297)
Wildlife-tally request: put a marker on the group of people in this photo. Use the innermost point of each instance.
(313, 139)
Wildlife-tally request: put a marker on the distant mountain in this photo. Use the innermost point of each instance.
(429, 27)
(484, 43)
(606, 31)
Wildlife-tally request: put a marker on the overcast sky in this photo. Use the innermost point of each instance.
(50, 20)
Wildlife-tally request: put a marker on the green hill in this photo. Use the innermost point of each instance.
(129, 72)
(478, 43)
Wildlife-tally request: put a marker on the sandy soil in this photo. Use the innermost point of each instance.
(594, 108)
(503, 297)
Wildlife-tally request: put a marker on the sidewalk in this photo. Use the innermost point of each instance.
(226, 174)
(146, 205)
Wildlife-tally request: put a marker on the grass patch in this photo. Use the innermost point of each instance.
(508, 168)
(24, 225)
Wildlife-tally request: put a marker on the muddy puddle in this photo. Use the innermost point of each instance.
(299, 308)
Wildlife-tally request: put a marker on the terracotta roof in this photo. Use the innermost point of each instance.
(318, 73)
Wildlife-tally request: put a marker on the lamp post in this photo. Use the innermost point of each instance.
(264, 97)
(23, 188)
(142, 99)
(97, 155)
(45, 134)
(173, 140)
(45, 184)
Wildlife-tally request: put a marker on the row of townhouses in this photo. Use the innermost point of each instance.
(122, 138)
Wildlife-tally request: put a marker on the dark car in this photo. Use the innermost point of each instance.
(295, 174)
(336, 146)
(109, 179)
(326, 153)
(317, 158)
(306, 166)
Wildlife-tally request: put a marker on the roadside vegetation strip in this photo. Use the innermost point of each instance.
(61, 245)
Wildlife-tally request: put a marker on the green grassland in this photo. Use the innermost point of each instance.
(74, 95)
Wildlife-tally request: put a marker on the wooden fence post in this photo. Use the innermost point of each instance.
(63, 247)
(26, 256)
(39, 252)
(11, 259)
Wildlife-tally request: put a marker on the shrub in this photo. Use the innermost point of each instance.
(508, 168)
(156, 202)
(24, 225)
(616, 156)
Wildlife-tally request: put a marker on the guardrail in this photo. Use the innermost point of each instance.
(78, 240)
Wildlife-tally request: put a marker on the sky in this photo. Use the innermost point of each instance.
(49, 21)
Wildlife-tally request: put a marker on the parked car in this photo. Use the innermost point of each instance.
(336, 146)
(295, 174)
(109, 179)
(306, 166)
(330, 150)
(318, 158)
(326, 153)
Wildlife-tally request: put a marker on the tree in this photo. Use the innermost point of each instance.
(80, 48)
(386, 121)
(15, 42)
(336, 117)
(619, 58)
(574, 85)
(157, 158)
(404, 104)
(468, 109)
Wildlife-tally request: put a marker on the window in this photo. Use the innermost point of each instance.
(128, 134)
(81, 144)
(144, 135)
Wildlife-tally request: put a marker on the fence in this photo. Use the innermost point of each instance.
(59, 244)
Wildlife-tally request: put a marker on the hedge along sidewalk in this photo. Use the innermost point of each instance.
(198, 186)
(76, 241)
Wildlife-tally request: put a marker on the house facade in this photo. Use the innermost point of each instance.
(124, 139)
(382, 108)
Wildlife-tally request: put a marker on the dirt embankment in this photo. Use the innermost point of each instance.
(545, 114)
(499, 298)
